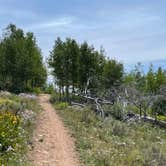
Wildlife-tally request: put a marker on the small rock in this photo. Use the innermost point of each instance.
(41, 140)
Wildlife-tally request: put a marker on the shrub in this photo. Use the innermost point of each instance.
(119, 129)
(15, 130)
(10, 105)
(88, 117)
(54, 98)
(132, 109)
(62, 105)
(49, 89)
(159, 106)
(9, 130)
(37, 91)
(116, 111)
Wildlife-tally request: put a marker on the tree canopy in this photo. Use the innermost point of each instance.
(82, 68)
(21, 64)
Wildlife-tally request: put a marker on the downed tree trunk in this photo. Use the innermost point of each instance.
(98, 103)
(149, 119)
(101, 101)
(153, 121)
(74, 103)
(99, 108)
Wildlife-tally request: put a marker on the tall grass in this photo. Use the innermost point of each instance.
(111, 142)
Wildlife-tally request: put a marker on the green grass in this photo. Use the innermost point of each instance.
(15, 132)
(161, 117)
(61, 105)
(111, 142)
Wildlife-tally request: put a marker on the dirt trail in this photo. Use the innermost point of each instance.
(52, 143)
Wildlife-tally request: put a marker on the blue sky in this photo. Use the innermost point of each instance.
(129, 30)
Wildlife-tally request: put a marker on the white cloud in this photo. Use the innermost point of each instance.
(59, 22)
(128, 33)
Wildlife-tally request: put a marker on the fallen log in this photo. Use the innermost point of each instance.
(98, 102)
(101, 101)
(99, 108)
(81, 105)
(149, 119)
(154, 121)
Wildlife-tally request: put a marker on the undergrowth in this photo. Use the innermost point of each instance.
(111, 142)
(15, 131)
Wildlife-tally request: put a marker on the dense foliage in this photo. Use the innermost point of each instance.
(21, 66)
(82, 68)
(146, 91)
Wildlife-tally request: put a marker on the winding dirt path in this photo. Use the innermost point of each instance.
(52, 143)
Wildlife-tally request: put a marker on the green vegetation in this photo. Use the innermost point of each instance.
(83, 76)
(161, 117)
(17, 115)
(49, 89)
(61, 105)
(21, 66)
(110, 142)
(77, 66)
(159, 106)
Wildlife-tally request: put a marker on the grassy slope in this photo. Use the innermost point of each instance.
(114, 143)
(14, 131)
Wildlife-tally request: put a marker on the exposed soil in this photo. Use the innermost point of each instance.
(52, 143)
